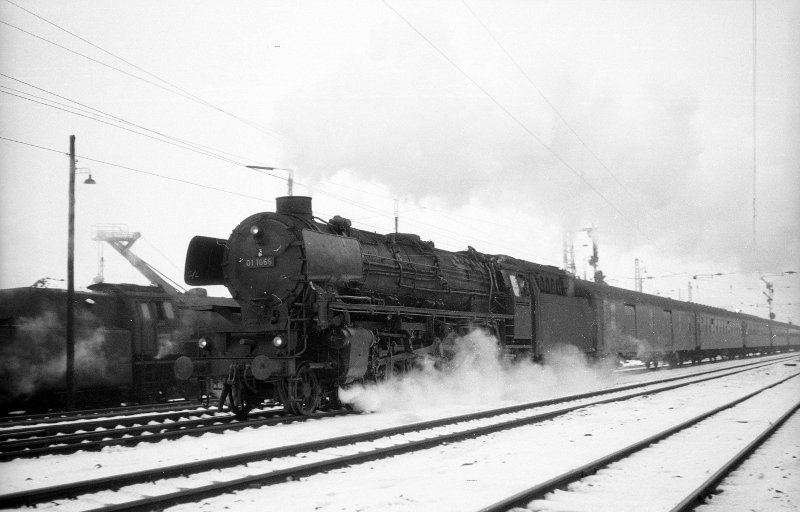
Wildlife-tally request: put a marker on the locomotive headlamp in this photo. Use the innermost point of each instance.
(254, 230)
(277, 341)
(202, 343)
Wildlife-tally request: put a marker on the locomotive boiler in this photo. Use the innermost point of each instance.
(324, 305)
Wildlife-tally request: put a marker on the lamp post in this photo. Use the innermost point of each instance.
(70, 375)
(291, 174)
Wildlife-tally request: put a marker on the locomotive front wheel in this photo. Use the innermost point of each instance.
(301, 394)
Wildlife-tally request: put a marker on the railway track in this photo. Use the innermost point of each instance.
(96, 434)
(613, 476)
(196, 480)
(59, 434)
(18, 420)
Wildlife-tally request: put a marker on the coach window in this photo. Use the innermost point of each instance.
(514, 284)
(167, 313)
(629, 320)
(145, 307)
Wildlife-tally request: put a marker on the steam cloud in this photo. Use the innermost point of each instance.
(478, 375)
(36, 360)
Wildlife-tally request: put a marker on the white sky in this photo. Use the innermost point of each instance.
(635, 117)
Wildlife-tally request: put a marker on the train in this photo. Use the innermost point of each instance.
(325, 305)
(126, 340)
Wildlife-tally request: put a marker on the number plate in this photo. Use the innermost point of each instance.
(266, 261)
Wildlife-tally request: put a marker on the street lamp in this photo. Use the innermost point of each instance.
(291, 173)
(70, 376)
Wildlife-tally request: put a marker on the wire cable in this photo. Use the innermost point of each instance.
(89, 109)
(171, 89)
(132, 169)
(550, 104)
(516, 120)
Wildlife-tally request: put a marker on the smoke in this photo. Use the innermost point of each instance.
(34, 359)
(167, 345)
(620, 343)
(673, 173)
(478, 375)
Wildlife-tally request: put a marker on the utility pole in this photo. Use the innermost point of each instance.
(289, 181)
(396, 215)
(594, 259)
(689, 298)
(769, 294)
(755, 118)
(637, 275)
(70, 376)
(569, 254)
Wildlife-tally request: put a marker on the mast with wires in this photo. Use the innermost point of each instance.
(637, 276)
(396, 215)
(569, 254)
(754, 126)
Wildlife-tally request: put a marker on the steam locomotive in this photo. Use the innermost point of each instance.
(127, 338)
(325, 305)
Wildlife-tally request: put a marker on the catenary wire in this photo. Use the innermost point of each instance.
(516, 120)
(550, 104)
(180, 145)
(175, 89)
(87, 108)
(132, 169)
(183, 93)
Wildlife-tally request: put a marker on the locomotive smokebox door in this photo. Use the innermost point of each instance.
(332, 258)
(263, 261)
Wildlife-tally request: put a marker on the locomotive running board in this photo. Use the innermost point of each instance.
(368, 308)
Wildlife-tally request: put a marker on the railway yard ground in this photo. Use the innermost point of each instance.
(650, 441)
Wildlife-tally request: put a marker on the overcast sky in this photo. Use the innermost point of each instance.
(506, 126)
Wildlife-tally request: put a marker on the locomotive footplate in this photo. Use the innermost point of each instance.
(374, 309)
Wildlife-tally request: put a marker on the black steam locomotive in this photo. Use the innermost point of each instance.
(325, 305)
(127, 338)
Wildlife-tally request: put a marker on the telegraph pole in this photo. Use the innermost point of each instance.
(637, 276)
(70, 376)
(289, 181)
(396, 215)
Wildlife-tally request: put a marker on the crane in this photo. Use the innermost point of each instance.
(121, 239)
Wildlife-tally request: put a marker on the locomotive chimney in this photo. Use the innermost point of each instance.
(294, 205)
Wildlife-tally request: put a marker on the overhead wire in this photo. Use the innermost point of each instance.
(181, 91)
(186, 94)
(440, 231)
(386, 213)
(175, 89)
(117, 121)
(133, 169)
(515, 119)
(89, 109)
(550, 104)
(105, 121)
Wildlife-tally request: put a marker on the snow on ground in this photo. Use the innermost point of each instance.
(418, 403)
(659, 477)
(767, 481)
(477, 472)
